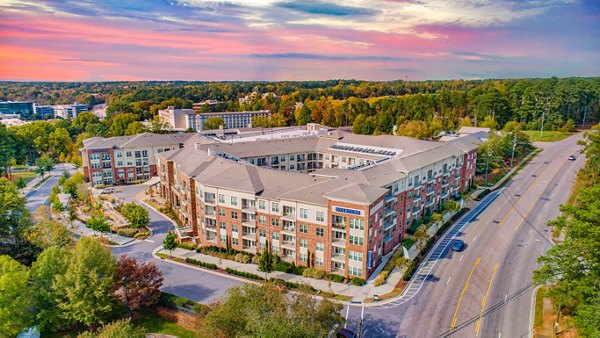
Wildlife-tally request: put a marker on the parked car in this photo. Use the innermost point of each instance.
(572, 158)
(108, 190)
(458, 245)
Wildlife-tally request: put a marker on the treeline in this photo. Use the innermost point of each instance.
(572, 268)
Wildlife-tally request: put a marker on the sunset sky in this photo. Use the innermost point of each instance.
(84, 40)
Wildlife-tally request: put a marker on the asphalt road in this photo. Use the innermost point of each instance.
(40, 196)
(486, 290)
(195, 284)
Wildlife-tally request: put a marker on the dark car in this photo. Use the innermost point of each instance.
(572, 158)
(345, 333)
(458, 245)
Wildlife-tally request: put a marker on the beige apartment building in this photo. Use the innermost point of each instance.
(337, 201)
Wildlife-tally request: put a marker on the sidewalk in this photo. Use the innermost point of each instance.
(80, 228)
(357, 293)
(31, 184)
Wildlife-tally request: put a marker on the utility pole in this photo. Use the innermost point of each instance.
(513, 149)
(548, 109)
(487, 161)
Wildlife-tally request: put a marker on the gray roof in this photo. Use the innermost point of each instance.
(135, 141)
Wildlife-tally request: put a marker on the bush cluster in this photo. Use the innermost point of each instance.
(243, 258)
(291, 285)
(358, 281)
(127, 232)
(380, 280)
(335, 278)
(243, 274)
(200, 263)
(224, 253)
(408, 242)
(410, 270)
(187, 246)
(314, 273)
(174, 302)
(142, 234)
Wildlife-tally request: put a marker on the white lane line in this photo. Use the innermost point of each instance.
(149, 240)
(474, 238)
(362, 313)
(449, 278)
(499, 334)
(461, 257)
(505, 298)
(530, 230)
(347, 310)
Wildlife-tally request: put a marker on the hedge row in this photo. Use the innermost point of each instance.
(410, 270)
(358, 281)
(243, 274)
(202, 264)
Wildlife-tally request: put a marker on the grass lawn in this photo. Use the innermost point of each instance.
(153, 323)
(547, 136)
(26, 175)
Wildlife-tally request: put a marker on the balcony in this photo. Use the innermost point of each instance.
(417, 185)
(429, 203)
(340, 258)
(389, 211)
(339, 226)
(389, 223)
(290, 245)
(211, 215)
(339, 242)
(430, 192)
(290, 216)
(289, 258)
(445, 194)
(290, 231)
(389, 197)
(416, 210)
(387, 238)
(430, 179)
(251, 223)
(444, 183)
(248, 206)
(210, 201)
(416, 198)
(251, 236)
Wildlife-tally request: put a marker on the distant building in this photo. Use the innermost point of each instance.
(183, 119)
(239, 119)
(120, 160)
(24, 108)
(69, 110)
(176, 118)
(45, 111)
(199, 105)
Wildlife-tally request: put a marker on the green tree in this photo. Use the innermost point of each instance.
(415, 129)
(15, 298)
(98, 223)
(44, 165)
(170, 242)
(120, 123)
(82, 120)
(421, 236)
(135, 128)
(137, 216)
(48, 231)
(13, 214)
(7, 148)
(84, 292)
(51, 262)
(117, 329)
(265, 311)
(213, 123)
(266, 263)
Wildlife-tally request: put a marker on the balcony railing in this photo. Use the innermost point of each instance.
(430, 192)
(339, 242)
(289, 231)
(389, 223)
(389, 197)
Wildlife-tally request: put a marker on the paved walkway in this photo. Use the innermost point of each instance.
(80, 228)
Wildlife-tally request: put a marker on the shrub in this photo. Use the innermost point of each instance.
(380, 280)
(142, 234)
(409, 270)
(200, 263)
(284, 266)
(483, 194)
(335, 278)
(243, 274)
(173, 302)
(314, 273)
(408, 242)
(358, 281)
(187, 246)
(127, 232)
(242, 258)
(100, 186)
(255, 259)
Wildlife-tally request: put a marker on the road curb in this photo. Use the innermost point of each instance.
(532, 310)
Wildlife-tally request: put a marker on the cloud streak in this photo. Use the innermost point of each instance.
(296, 40)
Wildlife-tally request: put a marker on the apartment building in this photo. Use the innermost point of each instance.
(120, 160)
(343, 210)
(183, 119)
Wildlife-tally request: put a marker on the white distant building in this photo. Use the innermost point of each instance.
(69, 110)
(176, 118)
(183, 119)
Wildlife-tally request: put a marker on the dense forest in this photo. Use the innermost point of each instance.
(418, 109)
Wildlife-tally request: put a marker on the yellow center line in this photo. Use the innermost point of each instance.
(538, 198)
(462, 294)
(512, 208)
(478, 326)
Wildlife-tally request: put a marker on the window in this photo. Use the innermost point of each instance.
(275, 250)
(354, 271)
(303, 257)
(275, 222)
(303, 243)
(303, 213)
(262, 205)
(275, 236)
(335, 219)
(233, 201)
(355, 256)
(221, 212)
(128, 154)
(319, 261)
(222, 225)
(235, 241)
(292, 167)
(275, 207)
(144, 153)
(357, 240)
(304, 228)
(320, 216)
(262, 219)
(320, 232)
(138, 154)
(234, 215)
(292, 158)
(262, 233)
(223, 238)
(282, 158)
(222, 198)
(320, 247)
(357, 224)
(234, 228)
(119, 154)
